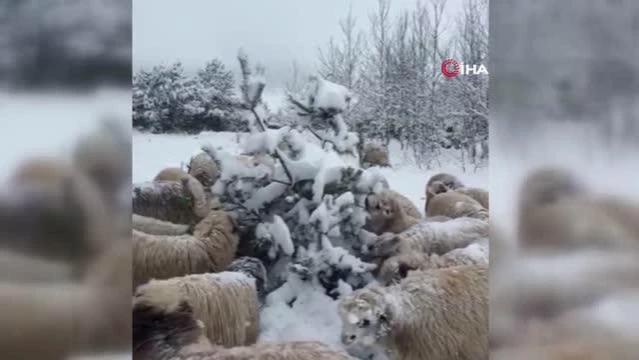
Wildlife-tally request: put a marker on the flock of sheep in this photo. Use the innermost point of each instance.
(65, 260)
(195, 299)
(567, 287)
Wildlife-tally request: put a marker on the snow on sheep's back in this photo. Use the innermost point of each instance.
(152, 152)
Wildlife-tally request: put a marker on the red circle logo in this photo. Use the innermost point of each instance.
(450, 68)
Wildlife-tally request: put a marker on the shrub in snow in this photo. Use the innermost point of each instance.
(167, 100)
(304, 214)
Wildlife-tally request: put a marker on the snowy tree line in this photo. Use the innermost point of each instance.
(166, 99)
(395, 67)
(65, 42)
(542, 81)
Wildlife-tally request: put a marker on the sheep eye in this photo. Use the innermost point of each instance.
(365, 323)
(378, 206)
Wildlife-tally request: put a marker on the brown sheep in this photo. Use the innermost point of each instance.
(56, 211)
(429, 237)
(557, 212)
(180, 202)
(170, 174)
(547, 185)
(212, 247)
(165, 328)
(153, 226)
(445, 182)
(374, 154)
(435, 313)
(478, 194)
(226, 302)
(454, 205)
(390, 212)
(408, 206)
(203, 168)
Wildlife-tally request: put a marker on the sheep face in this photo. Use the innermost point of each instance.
(437, 187)
(364, 320)
(381, 207)
(450, 181)
(384, 246)
(218, 220)
(547, 185)
(394, 270)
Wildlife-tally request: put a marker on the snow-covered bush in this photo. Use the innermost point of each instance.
(303, 216)
(166, 100)
(68, 43)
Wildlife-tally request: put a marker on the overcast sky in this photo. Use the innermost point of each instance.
(273, 32)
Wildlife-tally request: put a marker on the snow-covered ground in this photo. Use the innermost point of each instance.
(313, 315)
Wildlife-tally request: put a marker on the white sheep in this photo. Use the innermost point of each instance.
(226, 302)
(397, 267)
(431, 314)
(211, 247)
(203, 168)
(390, 211)
(429, 237)
(180, 202)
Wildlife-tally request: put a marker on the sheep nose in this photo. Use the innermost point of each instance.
(348, 339)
